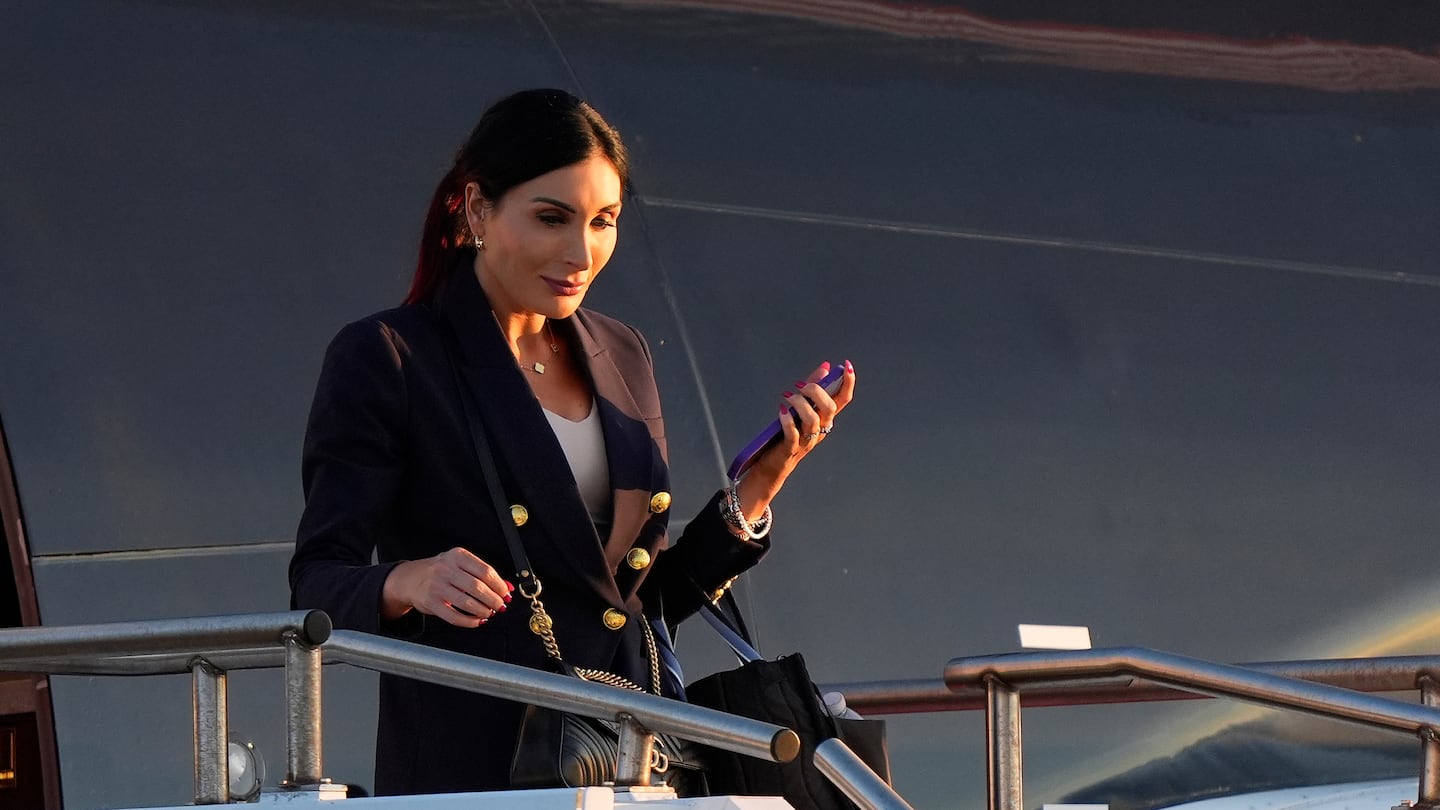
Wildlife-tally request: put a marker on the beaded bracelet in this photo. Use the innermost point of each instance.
(740, 527)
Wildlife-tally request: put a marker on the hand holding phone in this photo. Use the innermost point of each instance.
(771, 432)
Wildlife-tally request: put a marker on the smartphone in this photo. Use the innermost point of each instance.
(830, 382)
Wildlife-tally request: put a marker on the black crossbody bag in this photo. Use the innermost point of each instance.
(555, 748)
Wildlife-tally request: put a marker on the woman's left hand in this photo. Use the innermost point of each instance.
(816, 411)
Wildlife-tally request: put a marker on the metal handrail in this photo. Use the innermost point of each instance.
(208, 647)
(1004, 676)
(194, 645)
(922, 695)
(742, 735)
(171, 663)
(1196, 675)
(64, 650)
(847, 771)
(299, 641)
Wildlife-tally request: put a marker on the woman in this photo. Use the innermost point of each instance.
(517, 232)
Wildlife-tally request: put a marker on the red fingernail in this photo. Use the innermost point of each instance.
(511, 587)
(482, 621)
(784, 412)
(801, 384)
(788, 394)
(504, 607)
(849, 369)
(825, 366)
(508, 597)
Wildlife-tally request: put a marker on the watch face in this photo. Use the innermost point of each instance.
(752, 450)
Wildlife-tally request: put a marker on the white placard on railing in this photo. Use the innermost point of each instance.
(1054, 637)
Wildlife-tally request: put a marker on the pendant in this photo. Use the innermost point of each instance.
(539, 368)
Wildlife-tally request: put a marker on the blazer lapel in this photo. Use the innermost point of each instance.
(629, 449)
(522, 439)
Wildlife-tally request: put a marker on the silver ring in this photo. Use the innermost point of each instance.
(810, 436)
(825, 429)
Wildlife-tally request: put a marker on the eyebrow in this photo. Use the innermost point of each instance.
(567, 206)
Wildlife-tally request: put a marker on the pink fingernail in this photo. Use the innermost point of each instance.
(849, 369)
(784, 412)
(801, 384)
(825, 366)
(507, 598)
(788, 394)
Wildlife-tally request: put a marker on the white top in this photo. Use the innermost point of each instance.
(584, 446)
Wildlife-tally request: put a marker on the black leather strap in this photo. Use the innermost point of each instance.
(524, 574)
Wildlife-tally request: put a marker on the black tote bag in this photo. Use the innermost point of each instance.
(781, 692)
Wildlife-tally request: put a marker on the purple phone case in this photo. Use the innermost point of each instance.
(830, 382)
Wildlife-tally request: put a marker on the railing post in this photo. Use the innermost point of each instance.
(212, 763)
(1002, 745)
(1429, 748)
(636, 748)
(302, 714)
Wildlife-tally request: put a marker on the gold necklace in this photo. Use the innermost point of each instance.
(537, 366)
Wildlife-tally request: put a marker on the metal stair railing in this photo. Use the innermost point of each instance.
(638, 713)
(1398, 673)
(1002, 676)
(301, 641)
(1334, 688)
(847, 771)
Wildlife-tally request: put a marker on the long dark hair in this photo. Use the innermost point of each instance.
(519, 138)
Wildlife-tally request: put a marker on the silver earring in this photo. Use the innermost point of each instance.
(479, 243)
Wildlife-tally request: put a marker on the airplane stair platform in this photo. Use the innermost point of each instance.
(588, 798)
(302, 642)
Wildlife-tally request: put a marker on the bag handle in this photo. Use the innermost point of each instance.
(732, 630)
(731, 627)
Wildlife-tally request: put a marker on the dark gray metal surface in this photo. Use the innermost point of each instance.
(1150, 353)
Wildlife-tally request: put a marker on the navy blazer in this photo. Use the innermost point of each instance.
(390, 474)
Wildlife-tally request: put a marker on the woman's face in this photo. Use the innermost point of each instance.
(547, 239)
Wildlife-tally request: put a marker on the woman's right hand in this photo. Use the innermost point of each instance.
(454, 586)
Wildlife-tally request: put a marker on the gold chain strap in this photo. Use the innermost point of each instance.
(540, 623)
(543, 626)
